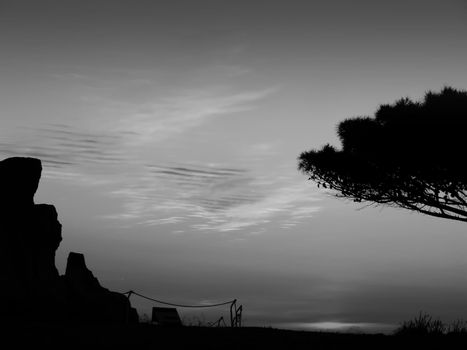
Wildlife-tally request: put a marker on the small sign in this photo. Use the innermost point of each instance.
(166, 316)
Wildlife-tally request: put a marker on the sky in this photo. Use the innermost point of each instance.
(169, 133)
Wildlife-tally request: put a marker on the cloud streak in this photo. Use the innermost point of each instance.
(216, 199)
(114, 147)
(67, 153)
(163, 118)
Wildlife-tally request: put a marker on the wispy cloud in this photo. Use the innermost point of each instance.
(66, 152)
(114, 146)
(118, 130)
(139, 104)
(162, 118)
(280, 205)
(216, 199)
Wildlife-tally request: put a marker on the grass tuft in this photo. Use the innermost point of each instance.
(424, 325)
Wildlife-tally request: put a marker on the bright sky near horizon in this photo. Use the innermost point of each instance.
(169, 133)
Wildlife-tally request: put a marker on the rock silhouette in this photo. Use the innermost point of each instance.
(88, 296)
(31, 286)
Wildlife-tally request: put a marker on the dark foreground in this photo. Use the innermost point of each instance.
(148, 336)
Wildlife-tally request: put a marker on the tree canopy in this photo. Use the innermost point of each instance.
(409, 154)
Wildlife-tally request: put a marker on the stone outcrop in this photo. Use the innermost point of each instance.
(89, 296)
(19, 179)
(30, 234)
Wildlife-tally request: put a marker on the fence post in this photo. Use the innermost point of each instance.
(128, 309)
(233, 308)
(238, 316)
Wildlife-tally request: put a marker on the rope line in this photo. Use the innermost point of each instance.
(179, 305)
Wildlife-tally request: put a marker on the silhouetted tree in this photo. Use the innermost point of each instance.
(410, 155)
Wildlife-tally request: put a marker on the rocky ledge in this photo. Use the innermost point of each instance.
(31, 286)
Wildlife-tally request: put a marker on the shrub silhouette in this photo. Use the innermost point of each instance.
(409, 155)
(422, 325)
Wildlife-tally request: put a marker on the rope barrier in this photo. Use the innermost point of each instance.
(235, 313)
(130, 292)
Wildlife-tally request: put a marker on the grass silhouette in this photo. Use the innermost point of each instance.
(425, 325)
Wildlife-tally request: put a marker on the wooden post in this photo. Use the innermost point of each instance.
(233, 309)
(238, 316)
(128, 309)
